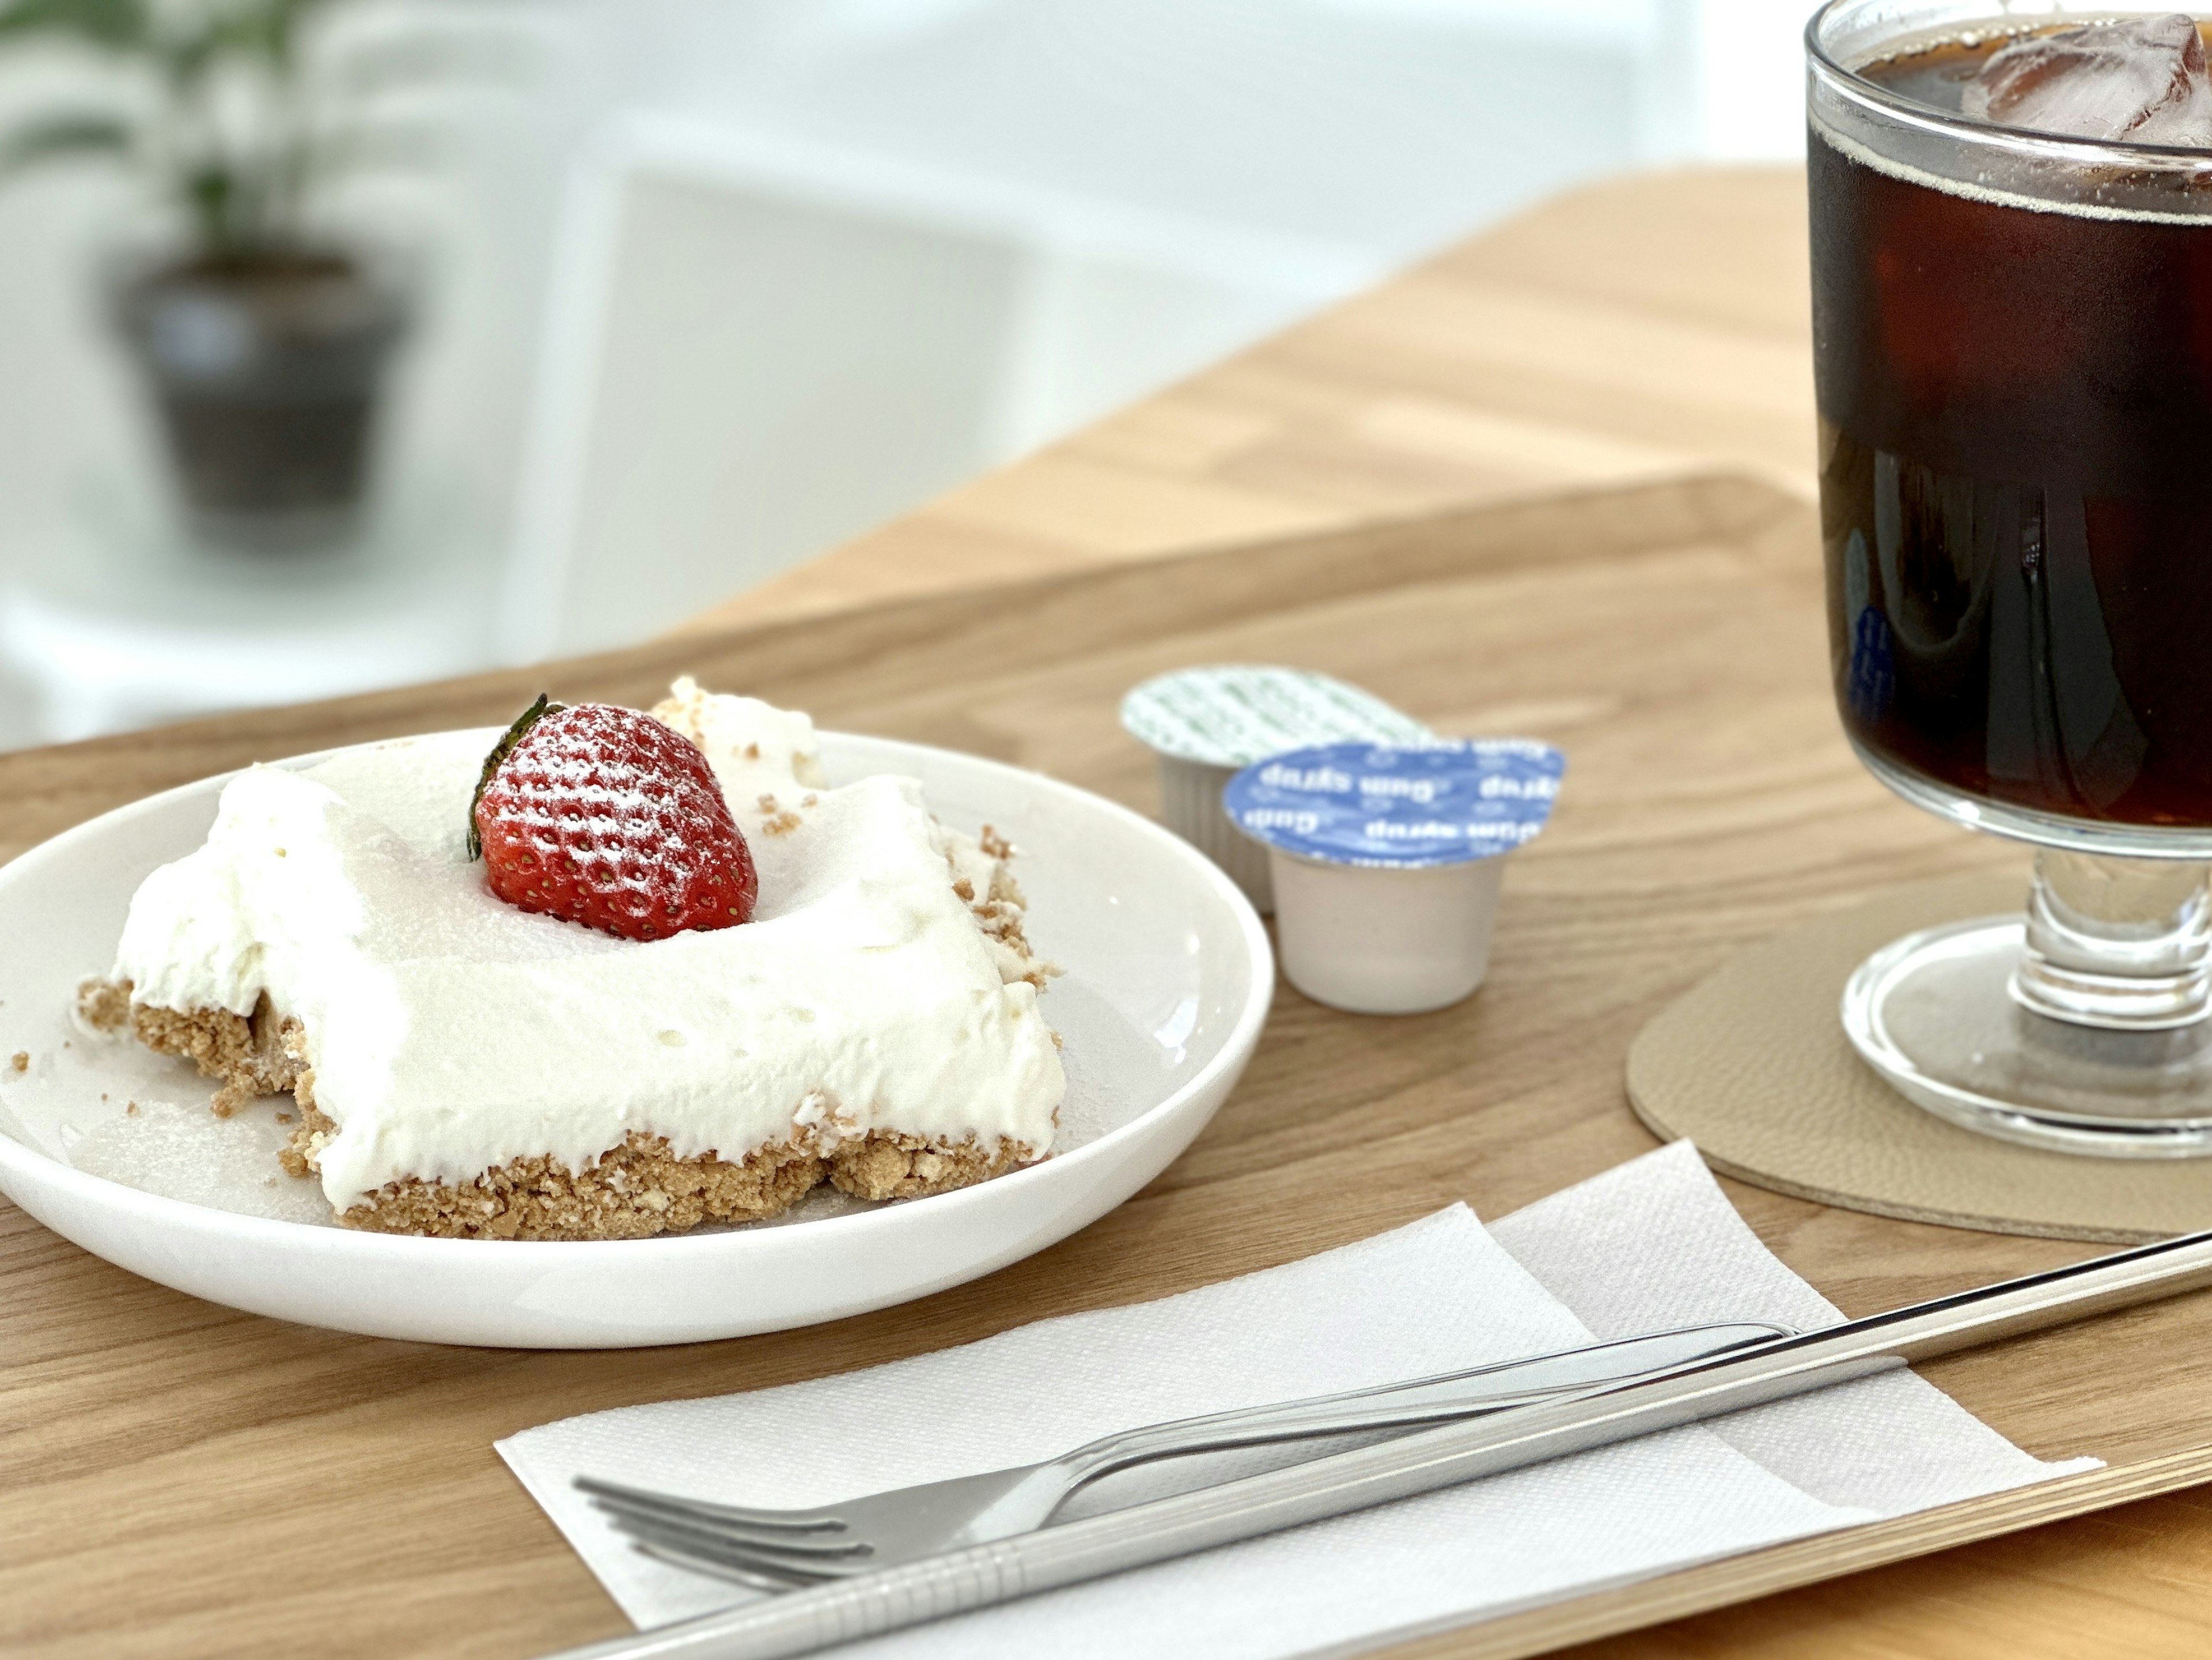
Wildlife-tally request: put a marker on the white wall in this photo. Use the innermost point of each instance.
(1741, 64)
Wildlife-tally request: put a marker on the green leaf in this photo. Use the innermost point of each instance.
(265, 29)
(59, 138)
(523, 722)
(119, 25)
(212, 193)
(184, 54)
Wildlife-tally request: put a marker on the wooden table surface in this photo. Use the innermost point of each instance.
(1634, 329)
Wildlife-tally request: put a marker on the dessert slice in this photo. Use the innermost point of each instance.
(468, 1068)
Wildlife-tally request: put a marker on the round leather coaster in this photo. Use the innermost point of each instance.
(1753, 1066)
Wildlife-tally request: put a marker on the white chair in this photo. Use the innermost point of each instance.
(754, 351)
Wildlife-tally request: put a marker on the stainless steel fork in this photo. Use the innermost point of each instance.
(785, 1550)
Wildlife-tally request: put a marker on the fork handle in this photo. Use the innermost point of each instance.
(1440, 1399)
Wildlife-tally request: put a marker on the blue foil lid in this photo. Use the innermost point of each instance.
(1443, 803)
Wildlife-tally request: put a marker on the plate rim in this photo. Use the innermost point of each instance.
(1236, 1049)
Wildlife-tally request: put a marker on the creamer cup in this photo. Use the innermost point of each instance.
(1203, 723)
(1387, 861)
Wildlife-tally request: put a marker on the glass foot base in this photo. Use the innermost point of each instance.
(1933, 1014)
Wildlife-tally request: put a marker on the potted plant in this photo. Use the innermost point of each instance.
(264, 340)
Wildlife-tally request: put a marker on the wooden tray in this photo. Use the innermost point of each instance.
(182, 1480)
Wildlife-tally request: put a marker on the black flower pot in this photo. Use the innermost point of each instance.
(266, 370)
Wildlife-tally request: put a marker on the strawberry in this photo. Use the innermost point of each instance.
(605, 817)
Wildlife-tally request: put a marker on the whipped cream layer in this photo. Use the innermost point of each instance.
(449, 1033)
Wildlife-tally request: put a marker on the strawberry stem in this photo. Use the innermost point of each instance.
(523, 722)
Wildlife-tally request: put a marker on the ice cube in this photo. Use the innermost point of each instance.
(2142, 81)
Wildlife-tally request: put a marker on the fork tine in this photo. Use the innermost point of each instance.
(709, 1525)
(733, 1554)
(707, 1547)
(646, 1498)
(705, 1537)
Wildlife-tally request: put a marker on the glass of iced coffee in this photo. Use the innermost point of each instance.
(2012, 307)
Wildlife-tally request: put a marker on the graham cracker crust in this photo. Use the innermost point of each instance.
(251, 1054)
(885, 1165)
(630, 1192)
(999, 913)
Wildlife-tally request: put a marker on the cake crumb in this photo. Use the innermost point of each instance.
(811, 801)
(782, 824)
(21, 1061)
(104, 1005)
(752, 751)
(283, 1117)
(131, 1108)
(767, 802)
(965, 888)
(994, 844)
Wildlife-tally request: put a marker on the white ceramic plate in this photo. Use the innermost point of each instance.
(1168, 979)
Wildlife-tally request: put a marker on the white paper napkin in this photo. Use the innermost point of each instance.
(1649, 1244)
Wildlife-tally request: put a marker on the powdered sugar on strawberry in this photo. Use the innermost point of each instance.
(606, 817)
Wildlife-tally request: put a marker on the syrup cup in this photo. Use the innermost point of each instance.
(1387, 862)
(1203, 723)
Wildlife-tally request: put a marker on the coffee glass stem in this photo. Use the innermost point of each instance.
(2124, 944)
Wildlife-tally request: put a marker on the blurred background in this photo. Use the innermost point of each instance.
(354, 343)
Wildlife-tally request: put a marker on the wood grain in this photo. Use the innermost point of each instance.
(180, 1480)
